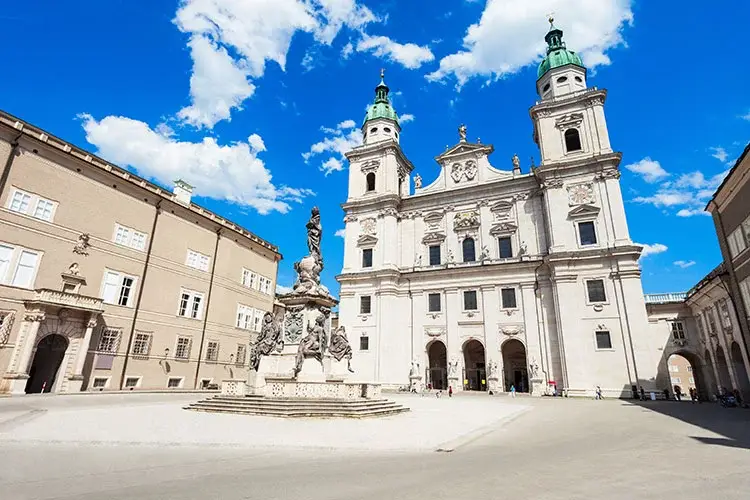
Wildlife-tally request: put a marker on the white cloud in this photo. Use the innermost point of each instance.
(690, 212)
(650, 170)
(231, 41)
(684, 264)
(409, 55)
(340, 233)
(720, 154)
(232, 172)
(406, 118)
(666, 198)
(308, 61)
(337, 142)
(746, 117)
(652, 249)
(510, 36)
(347, 50)
(281, 289)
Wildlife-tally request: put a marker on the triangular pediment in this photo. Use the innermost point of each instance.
(433, 217)
(584, 211)
(366, 240)
(463, 148)
(433, 238)
(503, 228)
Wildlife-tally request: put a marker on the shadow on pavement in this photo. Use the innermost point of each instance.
(733, 424)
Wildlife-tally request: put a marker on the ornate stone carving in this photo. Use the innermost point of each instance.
(569, 121)
(611, 173)
(483, 203)
(552, 184)
(368, 226)
(533, 368)
(516, 163)
(579, 194)
(83, 244)
(313, 345)
(521, 196)
(414, 372)
(388, 212)
(293, 325)
(73, 269)
(34, 316)
(485, 255)
(523, 249)
(501, 210)
(370, 166)
(269, 339)
(511, 330)
(433, 220)
(433, 238)
(92, 322)
(596, 101)
(503, 228)
(493, 370)
(350, 218)
(462, 133)
(340, 348)
(418, 181)
(453, 367)
(451, 258)
(434, 331)
(465, 220)
(6, 325)
(467, 170)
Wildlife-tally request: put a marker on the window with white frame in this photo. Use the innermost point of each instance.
(191, 304)
(129, 237)
(249, 279)
(690, 368)
(603, 340)
(678, 330)
(691, 380)
(433, 302)
(18, 266)
(142, 343)
(174, 382)
(508, 296)
(132, 382)
(674, 368)
(587, 233)
(197, 260)
(264, 285)
(100, 382)
(675, 380)
(470, 300)
(109, 340)
(745, 293)
(736, 242)
(182, 347)
(258, 319)
(595, 291)
(31, 204)
(118, 288)
(241, 355)
(244, 317)
(212, 350)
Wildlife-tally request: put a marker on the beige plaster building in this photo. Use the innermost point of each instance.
(109, 282)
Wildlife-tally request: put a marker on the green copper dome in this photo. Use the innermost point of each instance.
(382, 107)
(557, 54)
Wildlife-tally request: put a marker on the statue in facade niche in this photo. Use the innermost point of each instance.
(523, 250)
(450, 256)
(269, 339)
(418, 181)
(453, 368)
(533, 368)
(313, 345)
(414, 372)
(493, 369)
(485, 254)
(340, 347)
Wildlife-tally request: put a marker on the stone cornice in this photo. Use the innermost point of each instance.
(594, 253)
(598, 96)
(387, 146)
(371, 203)
(599, 165)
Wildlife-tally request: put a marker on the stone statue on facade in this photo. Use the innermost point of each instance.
(451, 259)
(462, 132)
(269, 339)
(83, 244)
(309, 267)
(516, 163)
(418, 181)
(340, 347)
(418, 260)
(523, 250)
(485, 254)
(313, 345)
(414, 372)
(493, 369)
(453, 368)
(533, 368)
(315, 235)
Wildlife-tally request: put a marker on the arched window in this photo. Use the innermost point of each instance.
(572, 140)
(387, 130)
(562, 79)
(468, 248)
(370, 181)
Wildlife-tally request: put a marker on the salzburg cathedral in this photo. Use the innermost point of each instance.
(494, 279)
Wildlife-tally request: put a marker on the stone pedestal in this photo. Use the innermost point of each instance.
(493, 384)
(538, 387)
(456, 383)
(236, 387)
(415, 383)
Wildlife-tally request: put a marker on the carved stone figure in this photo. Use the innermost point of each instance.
(73, 269)
(313, 345)
(418, 181)
(523, 250)
(453, 368)
(462, 132)
(533, 368)
(418, 261)
(309, 267)
(368, 226)
(414, 372)
(485, 254)
(293, 325)
(580, 194)
(269, 339)
(465, 220)
(340, 348)
(315, 235)
(493, 369)
(516, 163)
(451, 259)
(83, 244)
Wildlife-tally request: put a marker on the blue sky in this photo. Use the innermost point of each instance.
(252, 100)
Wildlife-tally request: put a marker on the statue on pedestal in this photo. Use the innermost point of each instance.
(453, 368)
(340, 347)
(313, 345)
(309, 267)
(269, 339)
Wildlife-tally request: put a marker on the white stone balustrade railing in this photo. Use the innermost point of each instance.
(70, 300)
(663, 298)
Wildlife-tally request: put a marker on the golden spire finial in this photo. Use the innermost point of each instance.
(551, 18)
(382, 73)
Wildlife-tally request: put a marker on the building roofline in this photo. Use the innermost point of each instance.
(727, 177)
(35, 133)
(715, 272)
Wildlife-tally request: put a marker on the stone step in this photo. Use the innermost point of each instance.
(298, 407)
(305, 413)
(295, 402)
(294, 408)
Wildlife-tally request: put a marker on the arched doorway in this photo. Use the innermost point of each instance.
(725, 382)
(739, 369)
(49, 356)
(685, 372)
(514, 366)
(438, 363)
(474, 366)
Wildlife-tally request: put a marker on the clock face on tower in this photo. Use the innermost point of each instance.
(580, 194)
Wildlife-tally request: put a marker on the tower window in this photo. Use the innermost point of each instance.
(367, 257)
(370, 181)
(374, 130)
(387, 130)
(468, 250)
(562, 79)
(579, 80)
(546, 88)
(572, 140)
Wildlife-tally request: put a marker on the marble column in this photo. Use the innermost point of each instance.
(19, 364)
(76, 379)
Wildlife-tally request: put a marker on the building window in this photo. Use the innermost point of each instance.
(603, 340)
(182, 349)
(245, 317)
(674, 368)
(118, 288)
(18, 266)
(142, 343)
(212, 351)
(435, 259)
(132, 382)
(191, 304)
(370, 182)
(264, 285)
(711, 322)
(470, 300)
(745, 292)
(675, 380)
(365, 304)
(197, 260)
(726, 319)
(572, 140)
(367, 257)
(129, 237)
(109, 340)
(736, 242)
(241, 355)
(364, 343)
(174, 383)
(505, 246)
(258, 319)
(469, 252)
(433, 302)
(690, 368)
(678, 330)
(509, 298)
(249, 279)
(587, 233)
(595, 289)
(31, 204)
(100, 382)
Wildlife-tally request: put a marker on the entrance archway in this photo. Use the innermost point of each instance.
(474, 366)
(739, 369)
(438, 363)
(725, 382)
(49, 356)
(514, 366)
(686, 372)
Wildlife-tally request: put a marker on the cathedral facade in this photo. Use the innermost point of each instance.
(492, 279)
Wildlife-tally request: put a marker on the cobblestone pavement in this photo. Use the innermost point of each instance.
(559, 449)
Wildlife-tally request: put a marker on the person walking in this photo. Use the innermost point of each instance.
(599, 392)
(512, 391)
(450, 391)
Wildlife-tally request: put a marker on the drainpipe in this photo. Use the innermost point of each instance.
(140, 294)
(9, 162)
(208, 303)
